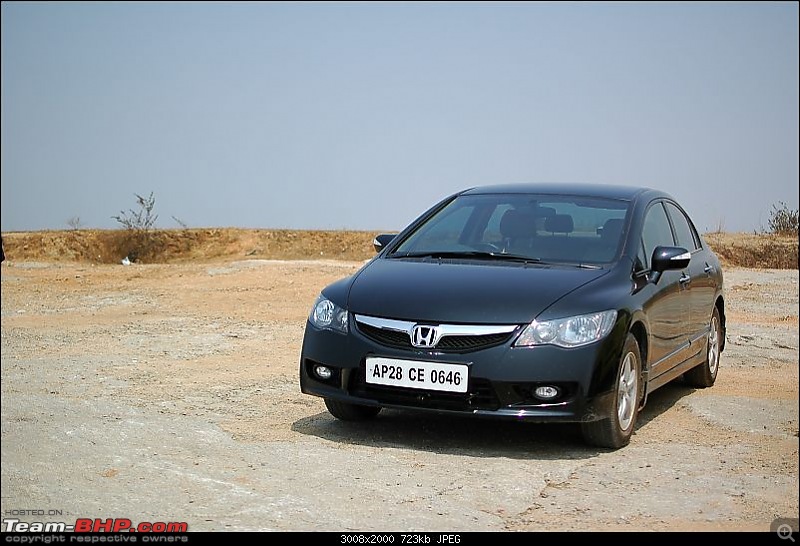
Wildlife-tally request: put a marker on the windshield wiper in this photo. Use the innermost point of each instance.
(471, 254)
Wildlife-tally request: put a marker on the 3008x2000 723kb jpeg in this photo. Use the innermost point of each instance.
(405, 538)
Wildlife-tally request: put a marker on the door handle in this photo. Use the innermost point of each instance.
(708, 269)
(685, 279)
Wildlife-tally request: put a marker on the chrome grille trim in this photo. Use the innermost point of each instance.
(444, 329)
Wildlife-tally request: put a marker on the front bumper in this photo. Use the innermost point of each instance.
(502, 379)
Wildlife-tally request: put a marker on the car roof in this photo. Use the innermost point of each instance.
(609, 191)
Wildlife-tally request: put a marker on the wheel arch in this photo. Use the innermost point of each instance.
(720, 305)
(639, 332)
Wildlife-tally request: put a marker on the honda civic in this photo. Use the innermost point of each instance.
(545, 303)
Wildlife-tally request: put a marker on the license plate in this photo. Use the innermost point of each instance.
(414, 374)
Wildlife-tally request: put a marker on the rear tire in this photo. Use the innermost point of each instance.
(614, 431)
(351, 412)
(705, 374)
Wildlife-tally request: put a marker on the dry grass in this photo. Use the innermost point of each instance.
(214, 244)
(188, 245)
(755, 250)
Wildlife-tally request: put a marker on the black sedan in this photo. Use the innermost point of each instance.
(534, 302)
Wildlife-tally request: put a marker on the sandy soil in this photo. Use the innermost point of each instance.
(170, 393)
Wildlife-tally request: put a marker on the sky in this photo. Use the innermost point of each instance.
(363, 115)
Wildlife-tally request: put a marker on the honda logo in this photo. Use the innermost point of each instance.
(424, 336)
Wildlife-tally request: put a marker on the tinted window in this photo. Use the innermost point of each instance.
(558, 229)
(641, 257)
(492, 232)
(656, 231)
(683, 231)
(445, 233)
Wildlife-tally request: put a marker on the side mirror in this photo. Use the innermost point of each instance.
(666, 258)
(382, 240)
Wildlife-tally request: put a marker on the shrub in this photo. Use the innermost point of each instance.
(783, 220)
(139, 242)
(75, 223)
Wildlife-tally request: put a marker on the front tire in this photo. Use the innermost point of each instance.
(614, 431)
(705, 374)
(351, 412)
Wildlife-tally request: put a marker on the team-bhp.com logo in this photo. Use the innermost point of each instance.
(88, 525)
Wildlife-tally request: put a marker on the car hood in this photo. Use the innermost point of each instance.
(463, 291)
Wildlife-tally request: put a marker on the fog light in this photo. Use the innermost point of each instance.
(546, 393)
(323, 372)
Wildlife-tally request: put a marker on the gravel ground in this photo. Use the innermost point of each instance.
(170, 393)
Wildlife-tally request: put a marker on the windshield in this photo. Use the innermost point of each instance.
(539, 228)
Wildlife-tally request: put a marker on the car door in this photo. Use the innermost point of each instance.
(667, 303)
(701, 286)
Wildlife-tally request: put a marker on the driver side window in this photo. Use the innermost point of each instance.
(656, 231)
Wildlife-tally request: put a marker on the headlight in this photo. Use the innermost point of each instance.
(568, 332)
(326, 315)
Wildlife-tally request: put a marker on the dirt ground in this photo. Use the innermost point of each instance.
(170, 393)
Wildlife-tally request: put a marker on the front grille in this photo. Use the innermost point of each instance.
(390, 338)
(463, 344)
(479, 395)
(448, 344)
